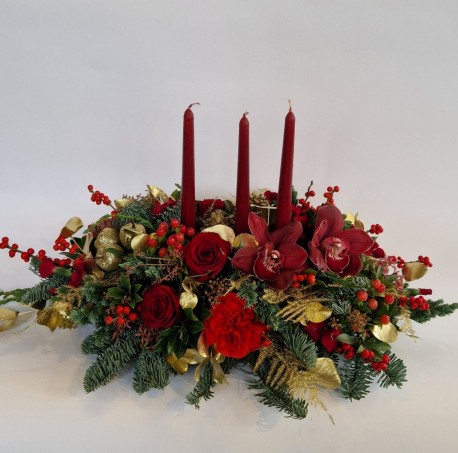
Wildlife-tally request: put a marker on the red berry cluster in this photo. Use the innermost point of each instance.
(121, 315)
(298, 279)
(414, 303)
(169, 236)
(98, 197)
(376, 229)
(329, 194)
(425, 260)
(348, 349)
(369, 356)
(61, 244)
(372, 302)
(14, 248)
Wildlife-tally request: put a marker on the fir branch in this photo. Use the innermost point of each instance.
(203, 388)
(249, 292)
(395, 374)
(436, 308)
(356, 378)
(341, 307)
(279, 397)
(267, 313)
(40, 292)
(97, 342)
(136, 212)
(111, 361)
(151, 371)
(171, 212)
(300, 345)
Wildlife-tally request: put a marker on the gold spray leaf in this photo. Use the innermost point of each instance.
(71, 227)
(57, 315)
(7, 318)
(157, 194)
(226, 233)
(413, 271)
(386, 332)
(122, 203)
(316, 312)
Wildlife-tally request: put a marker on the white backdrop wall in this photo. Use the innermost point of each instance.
(93, 92)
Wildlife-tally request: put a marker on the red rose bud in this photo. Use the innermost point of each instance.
(425, 291)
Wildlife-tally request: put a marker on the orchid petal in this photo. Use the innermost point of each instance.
(317, 258)
(244, 259)
(336, 263)
(258, 228)
(263, 272)
(354, 266)
(319, 234)
(283, 281)
(287, 234)
(333, 217)
(359, 240)
(294, 256)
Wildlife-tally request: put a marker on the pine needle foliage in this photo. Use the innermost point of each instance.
(151, 371)
(279, 397)
(300, 345)
(203, 388)
(40, 292)
(436, 308)
(137, 212)
(111, 361)
(267, 313)
(356, 378)
(395, 374)
(172, 212)
(249, 292)
(97, 342)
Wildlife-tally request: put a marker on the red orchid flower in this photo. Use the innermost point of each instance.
(334, 249)
(276, 257)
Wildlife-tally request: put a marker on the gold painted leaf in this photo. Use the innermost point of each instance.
(7, 318)
(122, 203)
(71, 227)
(316, 312)
(226, 233)
(140, 243)
(325, 374)
(188, 300)
(413, 271)
(386, 332)
(181, 365)
(128, 232)
(57, 315)
(157, 193)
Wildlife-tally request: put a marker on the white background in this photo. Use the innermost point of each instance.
(93, 92)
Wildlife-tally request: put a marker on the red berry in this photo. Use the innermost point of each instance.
(311, 279)
(133, 316)
(300, 278)
(126, 310)
(386, 358)
(162, 252)
(174, 223)
(11, 253)
(361, 296)
(384, 319)
(365, 354)
(119, 310)
(164, 226)
(120, 321)
(171, 241)
(382, 366)
(376, 283)
(179, 237)
(336, 188)
(108, 320)
(389, 299)
(372, 304)
(190, 232)
(160, 232)
(90, 187)
(295, 285)
(152, 243)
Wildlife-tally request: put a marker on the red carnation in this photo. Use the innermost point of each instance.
(233, 328)
(47, 268)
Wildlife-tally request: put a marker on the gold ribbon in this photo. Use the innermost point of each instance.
(201, 356)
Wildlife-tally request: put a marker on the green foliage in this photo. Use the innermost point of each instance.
(395, 374)
(356, 378)
(300, 345)
(125, 292)
(171, 212)
(111, 361)
(97, 342)
(138, 267)
(267, 313)
(249, 292)
(341, 307)
(436, 308)
(279, 397)
(137, 212)
(151, 371)
(14, 295)
(40, 292)
(203, 388)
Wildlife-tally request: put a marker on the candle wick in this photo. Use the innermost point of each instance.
(246, 113)
(290, 107)
(194, 103)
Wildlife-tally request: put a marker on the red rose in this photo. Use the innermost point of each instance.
(233, 329)
(160, 307)
(47, 268)
(205, 255)
(204, 205)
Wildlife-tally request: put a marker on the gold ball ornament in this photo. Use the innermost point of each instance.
(128, 232)
(106, 237)
(109, 257)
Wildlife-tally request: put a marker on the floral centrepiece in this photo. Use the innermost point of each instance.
(312, 305)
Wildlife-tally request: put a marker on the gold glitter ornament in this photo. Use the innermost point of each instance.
(128, 232)
(107, 236)
(109, 252)
(57, 315)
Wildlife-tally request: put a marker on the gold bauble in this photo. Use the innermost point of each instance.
(109, 256)
(129, 231)
(107, 236)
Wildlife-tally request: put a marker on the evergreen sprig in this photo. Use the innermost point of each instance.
(356, 378)
(395, 374)
(249, 292)
(136, 212)
(97, 342)
(151, 371)
(303, 347)
(436, 308)
(203, 388)
(111, 361)
(40, 292)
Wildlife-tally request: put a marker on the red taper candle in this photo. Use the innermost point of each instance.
(188, 195)
(285, 184)
(242, 202)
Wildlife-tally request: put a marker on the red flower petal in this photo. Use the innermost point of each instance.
(263, 272)
(244, 259)
(336, 263)
(258, 228)
(287, 234)
(284, 279)
(294, 256)
(354, 266)
(359, 240)
(333, 217)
